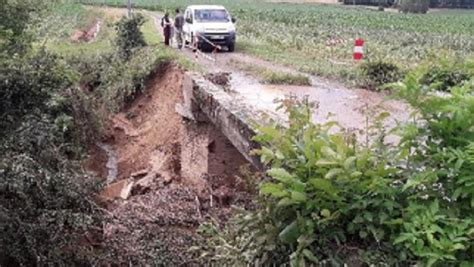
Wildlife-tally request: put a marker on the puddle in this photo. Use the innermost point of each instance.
(112, 166)
(349, 107)
(253, 93)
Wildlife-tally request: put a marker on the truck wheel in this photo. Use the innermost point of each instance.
(231, 47)
(191, 41)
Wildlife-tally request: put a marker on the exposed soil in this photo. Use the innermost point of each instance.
(156, 222)
(87, 34)
(97, 161)
(149, 124)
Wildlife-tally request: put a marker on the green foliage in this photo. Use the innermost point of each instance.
(413, 6)
(379, 72)
(444, 74)
(28, 82)
(129, 36)
(273, 77)
(439, 168)
(17, 15)
(45, 204)
(325, 192)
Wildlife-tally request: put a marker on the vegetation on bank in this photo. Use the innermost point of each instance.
(53, 99)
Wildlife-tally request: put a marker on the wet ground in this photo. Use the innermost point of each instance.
(350, 107)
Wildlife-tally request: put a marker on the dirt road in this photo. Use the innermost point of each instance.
(349, 106)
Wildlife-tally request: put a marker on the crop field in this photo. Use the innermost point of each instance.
(319, 38)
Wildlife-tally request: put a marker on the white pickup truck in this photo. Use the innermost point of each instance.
(212, 22)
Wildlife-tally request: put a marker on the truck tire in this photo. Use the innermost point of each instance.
(231, 47)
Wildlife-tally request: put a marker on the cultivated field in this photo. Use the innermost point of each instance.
(319, 38)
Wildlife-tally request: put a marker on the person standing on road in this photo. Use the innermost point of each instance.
(166, 24)
(178, 25)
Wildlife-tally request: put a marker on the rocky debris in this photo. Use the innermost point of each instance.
(145, 184)
(219, 78)
(121, 123)
(140, 173)
(121, 189)
(223, 195)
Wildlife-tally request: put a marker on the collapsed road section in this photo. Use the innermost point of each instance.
(183, 128)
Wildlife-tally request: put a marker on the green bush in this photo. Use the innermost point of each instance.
(28, 82)
(413, 6)
(443, 75)
(331, 200)
(46, 204)
(379, 72)
(46, 207)
(129, 36)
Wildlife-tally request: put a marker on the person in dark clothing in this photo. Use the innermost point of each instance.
(178, 25)
(166, 24)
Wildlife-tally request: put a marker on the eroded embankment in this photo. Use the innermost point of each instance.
(154, 211)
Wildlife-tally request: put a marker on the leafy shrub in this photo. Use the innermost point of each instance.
(45, 201)
(111, 81)
(17, 17)
(45, 197)
(379, 72)
(329, 199)
(443, 75)
(27, 83)
(129, 36)
(413, 6)
(437, 150)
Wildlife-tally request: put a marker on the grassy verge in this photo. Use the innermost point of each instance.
(272, 77)
(150, 32)
(74, 17)
(68, 18)
(164, 53)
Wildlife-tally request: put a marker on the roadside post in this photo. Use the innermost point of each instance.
(129, 8)
(358, 49)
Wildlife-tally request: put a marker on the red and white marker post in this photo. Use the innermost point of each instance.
(358, 49)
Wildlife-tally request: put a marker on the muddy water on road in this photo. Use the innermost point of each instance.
(349, 107)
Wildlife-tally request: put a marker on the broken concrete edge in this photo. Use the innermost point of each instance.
(234, 118)
(121, 189)
(184, 112)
